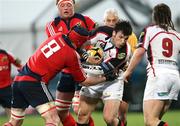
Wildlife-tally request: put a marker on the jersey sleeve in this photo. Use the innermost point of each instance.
(14, 61)
(90, 23)
(50, 29)
(75, 68)
(143, 39)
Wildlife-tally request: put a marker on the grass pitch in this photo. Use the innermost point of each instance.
(134, 119)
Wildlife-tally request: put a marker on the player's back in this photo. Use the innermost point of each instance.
(164, 47)
(51, 57)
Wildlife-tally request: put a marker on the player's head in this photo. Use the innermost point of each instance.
(162, 16)
(111, 17)
(121, 33)
(66, 8)
(78, 35)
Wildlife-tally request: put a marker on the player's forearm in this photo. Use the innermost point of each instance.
(136, 58)
(93, 81)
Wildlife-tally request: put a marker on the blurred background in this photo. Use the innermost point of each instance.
(22, 29)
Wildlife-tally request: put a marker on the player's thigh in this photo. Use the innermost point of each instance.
(66, 83)
(64, 95)
(152, 109)
(87, 103)
(5, 97)
(111, 108)
(34, 93)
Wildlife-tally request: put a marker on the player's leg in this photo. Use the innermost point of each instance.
(112, 95)
(110, 112)
(152, 112)
(38, 96)
(75, 104)
(76, 99)
(159, 92)
(88, 101)
(86, 107)
(17, 117)
(5, 99)
(123, 109)
(166, 107)
(49, 113)
(18, 107)
(64, 94)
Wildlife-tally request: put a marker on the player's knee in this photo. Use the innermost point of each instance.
(150, 122)
(63, 105)
(108, 118)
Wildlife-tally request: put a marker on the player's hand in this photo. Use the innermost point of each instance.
(18, 61)
(126, 76)
(93, 60)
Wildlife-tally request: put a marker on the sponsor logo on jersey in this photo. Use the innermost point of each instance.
(121, 55)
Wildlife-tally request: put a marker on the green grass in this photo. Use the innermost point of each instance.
(134, 119)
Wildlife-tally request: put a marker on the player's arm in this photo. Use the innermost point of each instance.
(15, 61)
(91, 24)
(86, 58)
(136, 58)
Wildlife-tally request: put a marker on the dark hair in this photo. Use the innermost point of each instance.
(162, 16)
(124, 27)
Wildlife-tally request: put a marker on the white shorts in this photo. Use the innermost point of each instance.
(165, 86)
(106, 90)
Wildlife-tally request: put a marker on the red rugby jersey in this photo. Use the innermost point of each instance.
(6, 59)
(51, 57)
(63, 26)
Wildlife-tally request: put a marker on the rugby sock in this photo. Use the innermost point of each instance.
(82, 124)
(8, 124)
(122, 123)
(91, 121)
(69, 120)
(162, 124)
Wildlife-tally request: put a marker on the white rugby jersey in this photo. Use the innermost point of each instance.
(163, 47)
(102, 39)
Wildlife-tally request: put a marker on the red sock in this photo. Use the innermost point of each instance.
(163, 123)
(69, 120)
(91, 121)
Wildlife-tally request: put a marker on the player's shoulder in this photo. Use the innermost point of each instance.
(102, 30)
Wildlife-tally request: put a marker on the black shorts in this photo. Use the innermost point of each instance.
(67, 83)
(5, 97)
(25, 93)
(127, 94)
